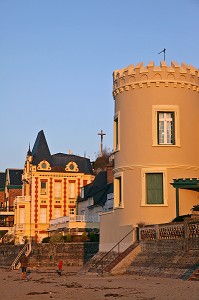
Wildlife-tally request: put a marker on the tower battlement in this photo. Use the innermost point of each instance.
(138, 76)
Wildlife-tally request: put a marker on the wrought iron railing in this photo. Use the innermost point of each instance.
(116, 246)
(25, 250)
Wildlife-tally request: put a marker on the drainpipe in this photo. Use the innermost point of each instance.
(177, 202)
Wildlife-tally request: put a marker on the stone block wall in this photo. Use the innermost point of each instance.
(72, 254)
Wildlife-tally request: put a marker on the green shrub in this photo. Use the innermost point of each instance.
(57, 238)
(93, 237)
(46, 240)
(84, 236)
(68, 238)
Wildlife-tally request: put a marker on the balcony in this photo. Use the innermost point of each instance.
(6, 224)
(74, 221)
(7, 211)
(22, 199)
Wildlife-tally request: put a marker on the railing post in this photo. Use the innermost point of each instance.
(157, 236)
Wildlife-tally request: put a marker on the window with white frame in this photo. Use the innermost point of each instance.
(166, 128)
(22, 215)
(71, 190)
(43, 187)
(154, 187)
(116, 131)
(57, 189)
(71, 211)
(57, 212)
(118, 191)
(43, 215)
(165, 125)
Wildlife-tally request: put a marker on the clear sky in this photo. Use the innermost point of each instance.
(56, 63)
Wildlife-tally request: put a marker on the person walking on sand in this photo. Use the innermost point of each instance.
(24, 265)
(60, 265)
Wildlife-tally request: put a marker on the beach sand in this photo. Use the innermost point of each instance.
(45, 283)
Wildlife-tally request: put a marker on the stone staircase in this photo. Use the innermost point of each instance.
(96, 265)
(165, 259)
(106, 262)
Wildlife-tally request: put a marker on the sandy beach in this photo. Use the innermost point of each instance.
(45, 283)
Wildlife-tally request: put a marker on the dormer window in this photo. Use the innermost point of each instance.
(72, 167)
(44, 166)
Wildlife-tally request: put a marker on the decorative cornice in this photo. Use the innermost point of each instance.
(141, 76)
(133, 167)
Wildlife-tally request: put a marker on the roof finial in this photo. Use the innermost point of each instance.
(101, 142)
(29, 153)
(164, 50)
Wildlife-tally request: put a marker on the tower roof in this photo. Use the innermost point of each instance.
(40, 149)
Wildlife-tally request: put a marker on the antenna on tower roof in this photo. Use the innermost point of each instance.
(164, 50)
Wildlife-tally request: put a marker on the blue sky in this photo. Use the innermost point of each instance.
(56, 63)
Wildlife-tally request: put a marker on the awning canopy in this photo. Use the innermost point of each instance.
(186, 183)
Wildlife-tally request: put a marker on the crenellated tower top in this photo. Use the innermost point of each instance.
(138, 76)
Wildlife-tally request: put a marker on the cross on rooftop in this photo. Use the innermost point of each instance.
(101, 141)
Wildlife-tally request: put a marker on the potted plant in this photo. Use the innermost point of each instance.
(195, 209)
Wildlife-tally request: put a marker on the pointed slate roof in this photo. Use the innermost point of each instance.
(15, 177)
(2, 181)
(98, 190)
(40, 149)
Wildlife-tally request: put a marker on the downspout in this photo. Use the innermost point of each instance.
(177, 202)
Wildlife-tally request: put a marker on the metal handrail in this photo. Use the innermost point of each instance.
(102, 258)
(25, 250)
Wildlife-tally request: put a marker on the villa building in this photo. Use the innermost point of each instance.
(156, 146)
(10, 188)
(51, 184)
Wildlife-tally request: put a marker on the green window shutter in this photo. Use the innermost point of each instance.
(154, 188)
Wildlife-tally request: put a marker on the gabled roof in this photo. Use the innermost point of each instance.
(100, 197)
(15, 177)
(99, 181)
(98, 189)
(57, 161)
(61, 159)
(2, 180)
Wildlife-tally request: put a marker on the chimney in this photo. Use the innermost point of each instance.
(110, 173)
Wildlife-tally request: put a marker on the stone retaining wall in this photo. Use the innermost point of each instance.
(72, 254)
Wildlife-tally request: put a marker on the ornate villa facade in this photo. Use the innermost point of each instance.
(51, 184)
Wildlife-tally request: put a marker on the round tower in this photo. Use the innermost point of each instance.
(156, 139)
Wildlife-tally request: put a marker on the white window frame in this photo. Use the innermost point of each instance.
(117, 131)
(155, 123)
(43, 215)
(43, 191)
(57, 212)
(118, 191)
(165, 191)
(57, 189)
(72, 190)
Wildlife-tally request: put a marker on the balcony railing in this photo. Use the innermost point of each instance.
(22, 199)
(74, 218)
(172, 231)
(7, 208)
(6, 223)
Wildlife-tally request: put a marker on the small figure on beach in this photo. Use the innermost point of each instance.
(60, 265)
(24, 265)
